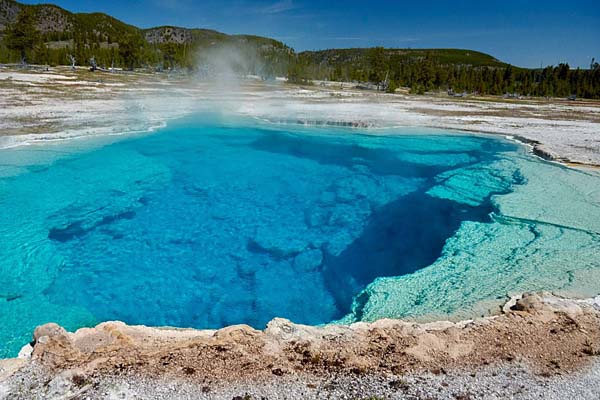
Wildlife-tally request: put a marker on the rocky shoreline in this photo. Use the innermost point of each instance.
(536, 341)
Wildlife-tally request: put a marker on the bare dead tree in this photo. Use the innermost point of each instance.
(73, 61)
(93, 65)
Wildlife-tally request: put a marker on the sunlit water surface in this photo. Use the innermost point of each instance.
(205, 225)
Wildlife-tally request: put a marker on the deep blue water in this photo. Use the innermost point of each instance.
(204, 226)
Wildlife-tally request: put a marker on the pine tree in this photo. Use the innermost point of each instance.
(22, 36)
(377, 64)
(129, 50)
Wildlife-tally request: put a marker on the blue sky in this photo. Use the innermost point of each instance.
(524, 33)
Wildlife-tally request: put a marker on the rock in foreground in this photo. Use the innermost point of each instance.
(522, 352)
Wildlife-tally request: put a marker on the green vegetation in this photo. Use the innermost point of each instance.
(448, 69)
(22, 36)
(47, 34)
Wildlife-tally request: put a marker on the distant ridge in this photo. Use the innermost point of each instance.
(50, 35)
(336, 57)
(53, 21)
(111, 41)
(61, 28)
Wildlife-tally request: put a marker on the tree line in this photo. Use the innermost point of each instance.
(428, 73)
(390, 69)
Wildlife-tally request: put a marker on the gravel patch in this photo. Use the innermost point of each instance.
(509, 381)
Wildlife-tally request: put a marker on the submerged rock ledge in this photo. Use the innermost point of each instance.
(544, 333)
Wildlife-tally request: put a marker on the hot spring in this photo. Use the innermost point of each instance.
(205, 225)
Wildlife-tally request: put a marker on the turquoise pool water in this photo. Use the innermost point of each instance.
(205, 225)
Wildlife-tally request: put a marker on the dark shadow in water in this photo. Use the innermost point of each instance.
(379, 161)
(400, 238)
(78, 229)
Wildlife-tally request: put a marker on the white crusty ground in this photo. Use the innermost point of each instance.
(62, 104)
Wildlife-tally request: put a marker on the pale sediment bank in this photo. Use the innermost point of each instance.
(541, 345)
(62, 104)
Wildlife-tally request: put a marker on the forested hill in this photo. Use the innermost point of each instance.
(337, 57)
(49, 35)
(455, 70)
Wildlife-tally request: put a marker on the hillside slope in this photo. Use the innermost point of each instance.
(8, 12)
(336, 57)
(112, 42)
(53, 21)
